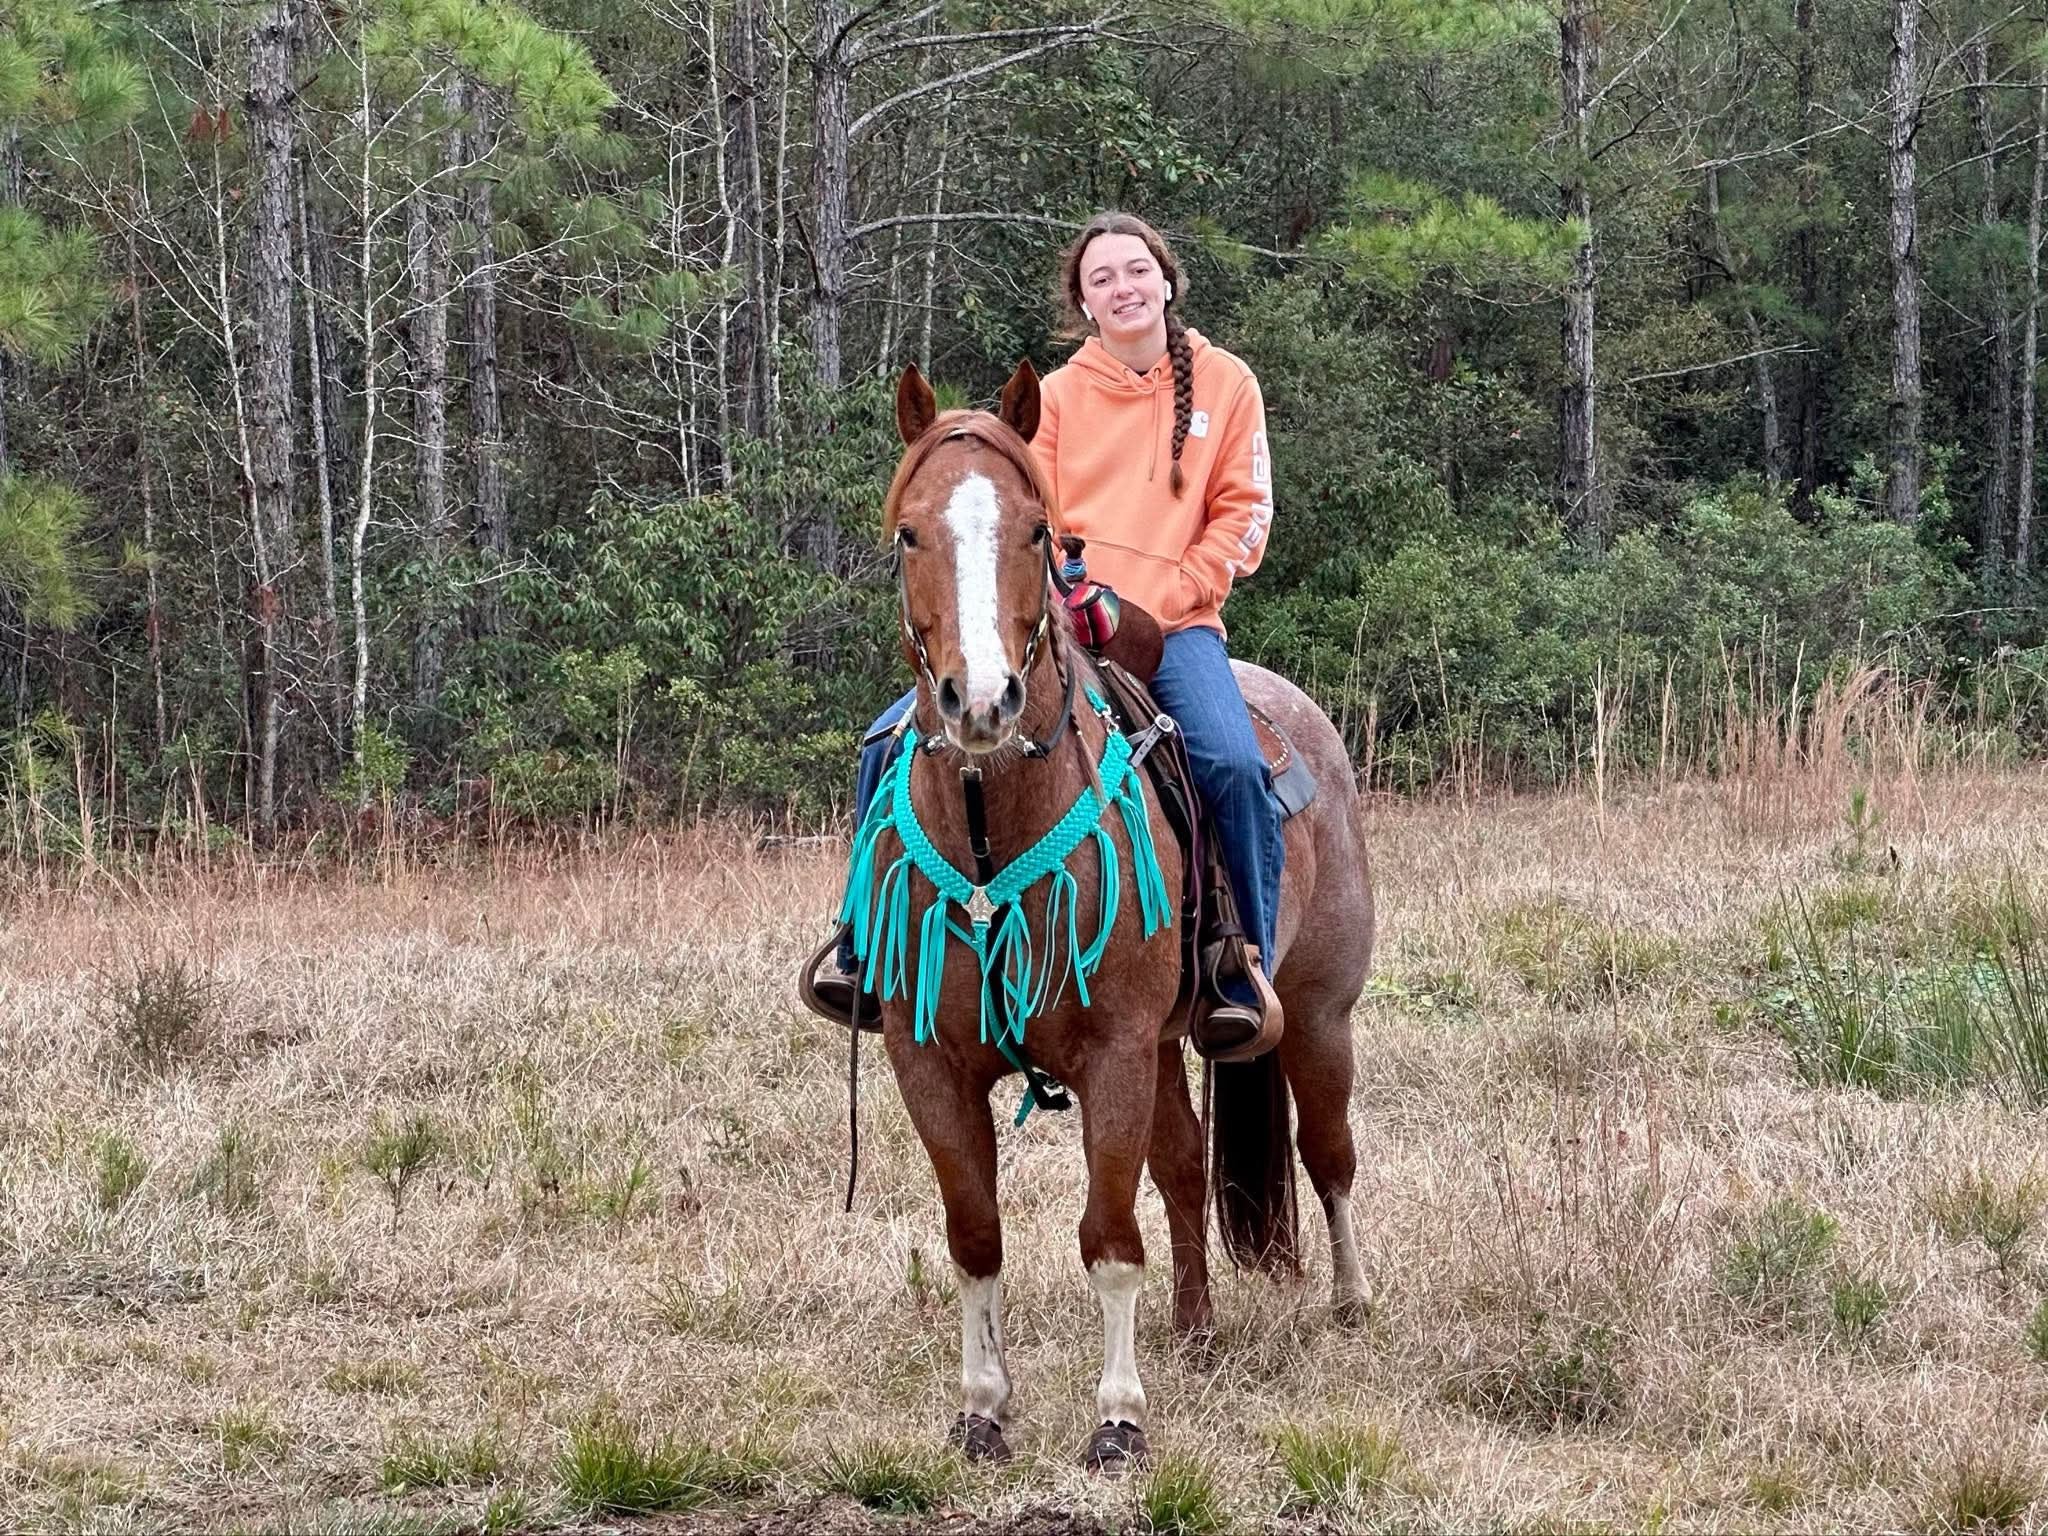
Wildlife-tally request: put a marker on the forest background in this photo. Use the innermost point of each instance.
(478, 412)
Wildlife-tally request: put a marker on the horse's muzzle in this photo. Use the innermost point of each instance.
(980, 728)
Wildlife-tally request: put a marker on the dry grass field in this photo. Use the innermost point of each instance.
(506, 1194)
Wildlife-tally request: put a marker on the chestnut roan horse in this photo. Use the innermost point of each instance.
(969, 515)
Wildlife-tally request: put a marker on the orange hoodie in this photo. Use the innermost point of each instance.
(1105, 440)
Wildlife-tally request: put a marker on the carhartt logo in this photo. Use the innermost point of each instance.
(1262, 465)
(1198, 424)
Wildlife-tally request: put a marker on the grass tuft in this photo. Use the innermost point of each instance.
(118, 1169)
(1340, 1467)
(1179, 1497)
(607, 1469)
(248, 1438)
(374, 1378)
(894, 1478)
(1573, 960)
(1984, 1491)
(2037, 1332)
(416, 1460)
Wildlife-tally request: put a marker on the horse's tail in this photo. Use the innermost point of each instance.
(1253, 1164)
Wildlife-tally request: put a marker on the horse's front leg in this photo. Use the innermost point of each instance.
(1116, 1090)
(953, 1121)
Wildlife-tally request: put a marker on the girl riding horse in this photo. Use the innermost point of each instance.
(1007, 769)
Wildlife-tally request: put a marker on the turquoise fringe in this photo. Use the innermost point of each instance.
(1017, 982)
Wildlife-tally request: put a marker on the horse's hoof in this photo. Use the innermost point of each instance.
(979, 1438)
(1116, 1448)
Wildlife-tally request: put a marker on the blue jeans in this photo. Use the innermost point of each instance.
(1196, 686)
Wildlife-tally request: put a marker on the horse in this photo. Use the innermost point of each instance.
(969, 516)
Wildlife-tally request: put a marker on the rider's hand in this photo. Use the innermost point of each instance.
(1094, 612)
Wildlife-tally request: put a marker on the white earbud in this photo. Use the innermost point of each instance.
(1169, 293)
(1087, 313)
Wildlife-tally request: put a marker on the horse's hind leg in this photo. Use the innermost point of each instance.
(1315, 1053)
(1177, 1173)
(959, 1136)
(1115, 1087)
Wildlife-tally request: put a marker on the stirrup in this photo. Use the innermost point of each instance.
(830, 993)
(1232, 1032)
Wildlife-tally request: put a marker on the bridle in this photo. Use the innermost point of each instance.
(1026, 746)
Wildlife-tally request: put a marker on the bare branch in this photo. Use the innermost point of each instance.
(1066, 39)
(992, 216)
(1719, 362)
(1005, 35)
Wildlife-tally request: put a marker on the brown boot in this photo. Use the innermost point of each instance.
(1229, 1031)
(830, 992)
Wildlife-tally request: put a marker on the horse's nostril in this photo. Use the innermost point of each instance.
(951, 705)
(1013, 697)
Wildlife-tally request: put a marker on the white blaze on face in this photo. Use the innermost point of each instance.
(1119, 1395)
(973, 515)
(984, 1378)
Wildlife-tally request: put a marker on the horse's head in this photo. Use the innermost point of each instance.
(970, 517)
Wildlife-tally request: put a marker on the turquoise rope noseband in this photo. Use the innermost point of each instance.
(1017, 976)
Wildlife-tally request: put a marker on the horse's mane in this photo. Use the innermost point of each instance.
(990, 431)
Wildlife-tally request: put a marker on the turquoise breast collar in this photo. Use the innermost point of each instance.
(1018, 981)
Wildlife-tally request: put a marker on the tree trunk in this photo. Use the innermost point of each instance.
(273, 491)
(1766, 385)
(929, 300)
(1578, 490)
(328, 641)
(747, 328)
(2023, 502)
(831, 200)
(10, 193)
(1807, 245)
(427, 252)
(359, 711)
(336, 347)
(153, 613)
(492, 532)
(772, 384)
(1902, 411)
(1998, 455)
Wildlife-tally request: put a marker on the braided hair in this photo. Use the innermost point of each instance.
(1067, 297)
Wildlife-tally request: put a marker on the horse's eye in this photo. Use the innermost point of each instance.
(906, 538)
(1040, 534)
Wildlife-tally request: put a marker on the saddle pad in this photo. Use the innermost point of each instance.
(1293, 785)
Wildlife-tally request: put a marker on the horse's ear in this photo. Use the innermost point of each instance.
(916, 406)
(1020, 401)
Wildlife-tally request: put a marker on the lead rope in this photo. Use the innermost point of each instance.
(853, 1101)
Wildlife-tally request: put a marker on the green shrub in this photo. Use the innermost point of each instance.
(1775, 1251)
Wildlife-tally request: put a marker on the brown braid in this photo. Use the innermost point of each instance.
(1183, 357)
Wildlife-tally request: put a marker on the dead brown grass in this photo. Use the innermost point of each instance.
(632, 1202)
